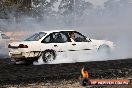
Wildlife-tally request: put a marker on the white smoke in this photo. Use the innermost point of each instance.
(3, 52)
(108, 24)
(114, 27)
(75, 56)
(123, 47)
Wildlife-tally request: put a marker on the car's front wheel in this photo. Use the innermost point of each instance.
(104, 49)
(48, 56)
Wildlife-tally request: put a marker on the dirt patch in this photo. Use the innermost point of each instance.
(56, 75)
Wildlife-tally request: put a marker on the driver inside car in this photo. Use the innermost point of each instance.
(72, 35)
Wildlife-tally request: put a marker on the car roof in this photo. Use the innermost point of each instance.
(51, 31)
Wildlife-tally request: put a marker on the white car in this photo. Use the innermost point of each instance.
(48, 43)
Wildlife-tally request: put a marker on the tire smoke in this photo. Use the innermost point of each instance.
(112, 22)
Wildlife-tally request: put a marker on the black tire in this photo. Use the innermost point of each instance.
(48, 56)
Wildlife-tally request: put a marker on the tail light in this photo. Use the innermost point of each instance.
(22, 46)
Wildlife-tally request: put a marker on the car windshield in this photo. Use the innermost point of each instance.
(36, 36)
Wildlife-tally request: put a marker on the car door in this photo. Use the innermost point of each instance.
(57, 41)
(80, 43)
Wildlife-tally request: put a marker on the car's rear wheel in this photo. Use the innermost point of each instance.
(48, 56)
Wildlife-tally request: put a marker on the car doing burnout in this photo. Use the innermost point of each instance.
(48, 43)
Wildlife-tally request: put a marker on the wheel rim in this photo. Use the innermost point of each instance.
(48, 57)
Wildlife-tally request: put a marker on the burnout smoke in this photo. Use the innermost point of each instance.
(3, 52)
(99, 19)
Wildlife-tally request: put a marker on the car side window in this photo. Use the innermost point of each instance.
(79, 37)
(55, 38)
(59, 38)
(46, 40)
